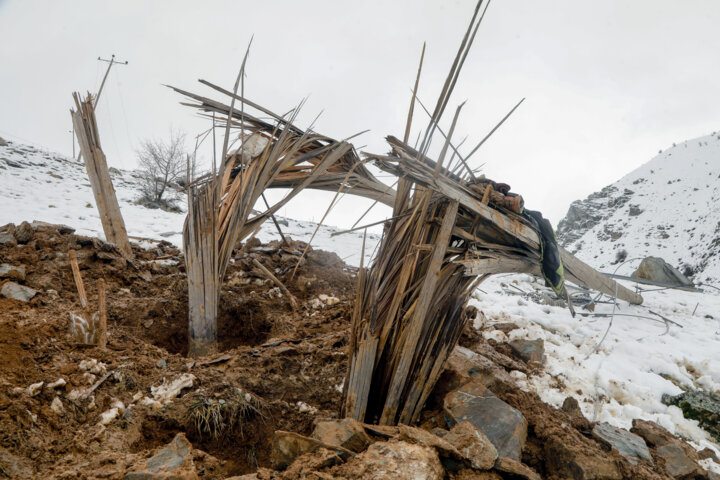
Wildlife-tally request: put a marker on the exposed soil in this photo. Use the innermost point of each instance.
(277, 368)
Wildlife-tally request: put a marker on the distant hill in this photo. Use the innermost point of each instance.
(668, 207)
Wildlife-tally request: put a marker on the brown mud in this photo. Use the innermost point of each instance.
(277, 368)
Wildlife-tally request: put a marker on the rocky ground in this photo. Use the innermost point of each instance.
(266, 405)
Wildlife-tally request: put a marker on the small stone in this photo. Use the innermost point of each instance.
(347, 433)
(18, 292)
(571, 406)
(161, 363)
(630, 446)
(505, 327)
(24, 233)
(7, 239)
(505, 426)
(34, 389)
(57, 406)
(108, 416)
(11, 271)
(706, 453)
(473, 445)
(529, 350)
(60, 382)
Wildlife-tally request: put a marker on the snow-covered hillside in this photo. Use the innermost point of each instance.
(40, 185)
(669, 207)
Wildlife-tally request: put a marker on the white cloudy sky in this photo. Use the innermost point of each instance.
(607, 83)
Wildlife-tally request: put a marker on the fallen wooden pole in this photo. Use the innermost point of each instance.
(274, 279)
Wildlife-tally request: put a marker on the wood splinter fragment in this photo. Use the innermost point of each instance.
(272, 277)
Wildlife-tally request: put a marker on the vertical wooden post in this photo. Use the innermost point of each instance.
(96, 165)
(200, 243)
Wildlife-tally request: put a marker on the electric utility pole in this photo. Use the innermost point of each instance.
(111, 62)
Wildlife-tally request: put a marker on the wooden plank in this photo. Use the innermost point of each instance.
(583, 274)
(415, 326)
(78, 279)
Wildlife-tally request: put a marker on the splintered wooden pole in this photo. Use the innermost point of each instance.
(78, 279)
(415, 327)
(87, 134)
(200, 244)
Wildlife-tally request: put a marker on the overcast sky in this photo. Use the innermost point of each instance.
(608, 83)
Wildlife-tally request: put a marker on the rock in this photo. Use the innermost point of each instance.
(568, 462)
(702, 406)
(680, 458)
(427, 439)
(287, 446)
(515, 469)
(3, 142)
(59, 383)
(656, 269)
(464, 366)
(677, 463)
(505, 327)
(571, 406)
(24, 233)
(108, 416)
(57, 406)
(7, 239)
(14, 466)
(395, 460)
(473, 445)
(529, 350)
(167, 391)
(706, 453)
(503, 425)
(347, 433)
(34, 389)
(174, 462)
(18, 292)
(11, 271)
(630, 446)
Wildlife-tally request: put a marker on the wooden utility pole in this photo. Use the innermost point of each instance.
(111, 62)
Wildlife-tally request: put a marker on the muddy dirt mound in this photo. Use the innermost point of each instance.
(140, 407)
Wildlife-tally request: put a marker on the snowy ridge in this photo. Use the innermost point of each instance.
(668, 207)
(40, 185)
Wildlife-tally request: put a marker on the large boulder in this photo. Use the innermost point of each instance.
(505, 426)
(287, 446)
(701, 406)
(656, 269)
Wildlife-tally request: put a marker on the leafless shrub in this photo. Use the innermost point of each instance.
(163, 164)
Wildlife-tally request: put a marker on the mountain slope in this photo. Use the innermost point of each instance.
(40, 185)
(668, 207)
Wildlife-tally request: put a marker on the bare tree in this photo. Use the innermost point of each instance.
(162, 163)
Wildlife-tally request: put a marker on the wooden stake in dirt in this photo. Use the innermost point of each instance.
(268, 274)
(88, 137)
(90, 328)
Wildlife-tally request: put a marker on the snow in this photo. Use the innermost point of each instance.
(40, 185)
(621, 379)
(626, 375)
(668, 207)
